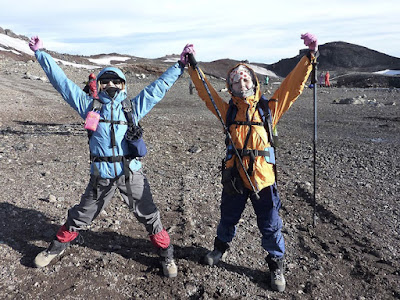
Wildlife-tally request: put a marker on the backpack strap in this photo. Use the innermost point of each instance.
(128, 109)
(231, 114)
(230, 119)
(96, 105)
(134, 131)
(265, 113)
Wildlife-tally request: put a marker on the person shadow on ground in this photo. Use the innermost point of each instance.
(21, 227)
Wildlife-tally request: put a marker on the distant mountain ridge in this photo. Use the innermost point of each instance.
(339, 58)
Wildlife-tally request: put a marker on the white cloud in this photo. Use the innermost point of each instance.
(259, 30)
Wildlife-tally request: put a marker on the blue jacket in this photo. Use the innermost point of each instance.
(100, 141)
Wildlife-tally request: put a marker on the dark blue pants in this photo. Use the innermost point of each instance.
(268, 220)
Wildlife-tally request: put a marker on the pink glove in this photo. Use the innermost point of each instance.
(35, 43)
(310, 41)
(187, 50)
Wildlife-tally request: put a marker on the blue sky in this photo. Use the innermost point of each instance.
(258, 30)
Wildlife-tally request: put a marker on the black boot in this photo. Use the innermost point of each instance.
(219, 252)
(276, 267)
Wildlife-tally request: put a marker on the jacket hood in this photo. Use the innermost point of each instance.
(122, 94)
(112, 69)
(256, 87)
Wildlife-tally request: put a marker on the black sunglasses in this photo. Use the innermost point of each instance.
(114, 81)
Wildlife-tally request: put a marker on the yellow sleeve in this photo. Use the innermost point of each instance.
(203, 94)
(290, 89)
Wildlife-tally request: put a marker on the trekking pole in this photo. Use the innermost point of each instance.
(314, 82)
(193, 63)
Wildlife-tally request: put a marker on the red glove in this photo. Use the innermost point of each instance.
(310, 41)
(35, 43)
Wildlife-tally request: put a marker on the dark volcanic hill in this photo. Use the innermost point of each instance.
(341, 57)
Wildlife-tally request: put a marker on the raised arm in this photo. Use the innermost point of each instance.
(153, 93)
(293, 85)
(196, 74)
(71, 92)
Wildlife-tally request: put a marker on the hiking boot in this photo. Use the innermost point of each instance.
(220, 252)
(168, 263)
(55, 249)
(169, 268)
(213, 257)
(276, 267)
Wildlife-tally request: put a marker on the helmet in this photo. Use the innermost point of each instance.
(92, 76)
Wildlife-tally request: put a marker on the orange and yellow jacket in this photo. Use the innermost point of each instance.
(290, 89)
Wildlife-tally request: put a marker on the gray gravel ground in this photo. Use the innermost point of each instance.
(352, 253)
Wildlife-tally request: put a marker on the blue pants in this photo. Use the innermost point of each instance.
(268, 220)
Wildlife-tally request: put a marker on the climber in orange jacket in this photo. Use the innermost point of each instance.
(251, 138)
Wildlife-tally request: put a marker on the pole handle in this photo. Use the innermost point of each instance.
(192, 60)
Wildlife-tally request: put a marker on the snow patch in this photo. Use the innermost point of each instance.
(13, 51)
(17, 44)
(67, 63)
(388, 72)
(171, 59)
(21, 46)
(262, 71)
(106, 60)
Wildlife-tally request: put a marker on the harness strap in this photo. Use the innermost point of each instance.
(127, 174)
(247, 123)
(246, 152)
(110, 159)
(114, 122)
(125, 159)
(269, 153)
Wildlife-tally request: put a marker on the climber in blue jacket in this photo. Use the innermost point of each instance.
(115, 159)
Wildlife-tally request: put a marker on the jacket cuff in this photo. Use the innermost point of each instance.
(181, 65)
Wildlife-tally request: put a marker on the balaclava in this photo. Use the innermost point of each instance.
(241, 72)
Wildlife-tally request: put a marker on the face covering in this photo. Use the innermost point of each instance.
(243, 94)
(112, 91)
(241, 72)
